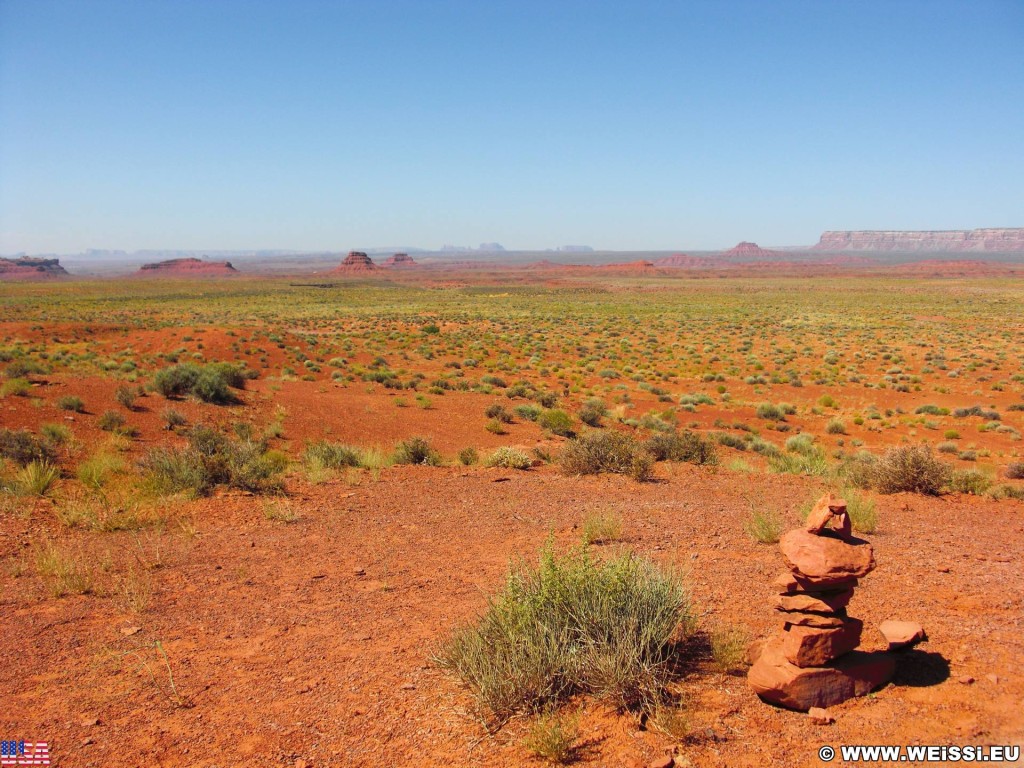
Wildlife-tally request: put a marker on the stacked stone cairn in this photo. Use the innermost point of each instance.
(813, 661)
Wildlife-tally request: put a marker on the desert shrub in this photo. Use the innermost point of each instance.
(494, 381)
(976, 410)
(1007, 491)
(770, 412)
(495, 427)
(22, 447)
(592, 412)
(173, 419)
(498, 412)
(802, 444)
(510, 458)
(126, 396)
(932, 410)
(1014, 470)
(572, 625)
(66, 573)
(910, 469)
(71, 403)
(15, 388)
(213, 459)
(686, 446)
(546, 399)
(947, 447)
(614, 452)
(468, 456)
(328, 455)
(969, 481)
(416, 450)
(968, 455)
(211, 383)
(730, 440)
(528, 412)
(835, 427)
(112, 421)
(811, 462)
(556, 421)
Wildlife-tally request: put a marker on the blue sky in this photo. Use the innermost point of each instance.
(223, 124)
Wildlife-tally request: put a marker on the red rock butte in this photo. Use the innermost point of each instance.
(27, 268)
(399, 261)
(356, 261)
(750, 251)
(187, 268)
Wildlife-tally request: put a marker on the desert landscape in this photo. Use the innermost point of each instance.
(245, 520)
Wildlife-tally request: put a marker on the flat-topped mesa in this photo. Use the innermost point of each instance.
(399, 261)
(993, 240)
(187, 267)
(356, 261)
(30, 268)
(810, 664)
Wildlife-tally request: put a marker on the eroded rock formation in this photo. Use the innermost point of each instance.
(955, 240)
(28, 268)
(187, 268)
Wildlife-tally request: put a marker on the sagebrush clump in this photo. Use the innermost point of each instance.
(606, 451)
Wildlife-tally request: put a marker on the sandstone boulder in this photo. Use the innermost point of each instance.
(829, 511)
(800, 619)
(820, 602)
(794, 582)
(826, 557)
(817, 646)
(857, 673)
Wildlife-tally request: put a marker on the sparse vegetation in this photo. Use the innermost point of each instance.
(910, 469)
(606, 451)
(572, 625)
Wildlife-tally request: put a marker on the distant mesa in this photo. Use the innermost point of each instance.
(187, 268)
(575, 249)
(28, 268)
(356, 261)
(1006, 240)
(747, 250)
(399, 261)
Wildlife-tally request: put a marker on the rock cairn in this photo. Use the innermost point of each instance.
(812, 662)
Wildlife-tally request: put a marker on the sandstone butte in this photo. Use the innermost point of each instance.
(399, 261)
(28, 268)
(356, 261)
(1006, 240)
(187, 268)
(747, 250)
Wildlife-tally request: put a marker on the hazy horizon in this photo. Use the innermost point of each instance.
(318, 126)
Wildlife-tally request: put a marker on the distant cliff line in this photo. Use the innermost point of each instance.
(992, 240)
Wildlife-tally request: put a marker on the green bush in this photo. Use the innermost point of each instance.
(468, 456)
(528, 412)
(615, 452)
(71, 403)
(328, 455)
(686, 446)
(210, 383)
(557, 422)
(572, 625)
(16, 388)
(910, 469)
(510, 458)
(416, 450)
(126, 395)
(1015, 470)
(498, 412)
(969, 481)
(770, 412)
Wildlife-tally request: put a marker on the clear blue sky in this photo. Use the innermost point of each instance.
(231, 124)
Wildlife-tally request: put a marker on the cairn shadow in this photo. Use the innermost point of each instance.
(920, 669)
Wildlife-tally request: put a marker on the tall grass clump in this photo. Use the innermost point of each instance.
(507, 457)
(606, 451)
(572, 625)
(36, 478)
(910, 469)
(324, 454)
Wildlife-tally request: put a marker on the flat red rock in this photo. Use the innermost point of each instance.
(826, 558)
(857, 673)
(821, 602)
(900, 634)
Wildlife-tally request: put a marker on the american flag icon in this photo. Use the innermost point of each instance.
(24, 753)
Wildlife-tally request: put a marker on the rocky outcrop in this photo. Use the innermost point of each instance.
(1007, 240)
(684, 261)
(28, 268)
(813, 662)
(187, 268)
(399, 261)
(356, 261)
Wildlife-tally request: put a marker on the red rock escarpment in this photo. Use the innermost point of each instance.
(187, 268)
(27, 268)
(954, 240)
